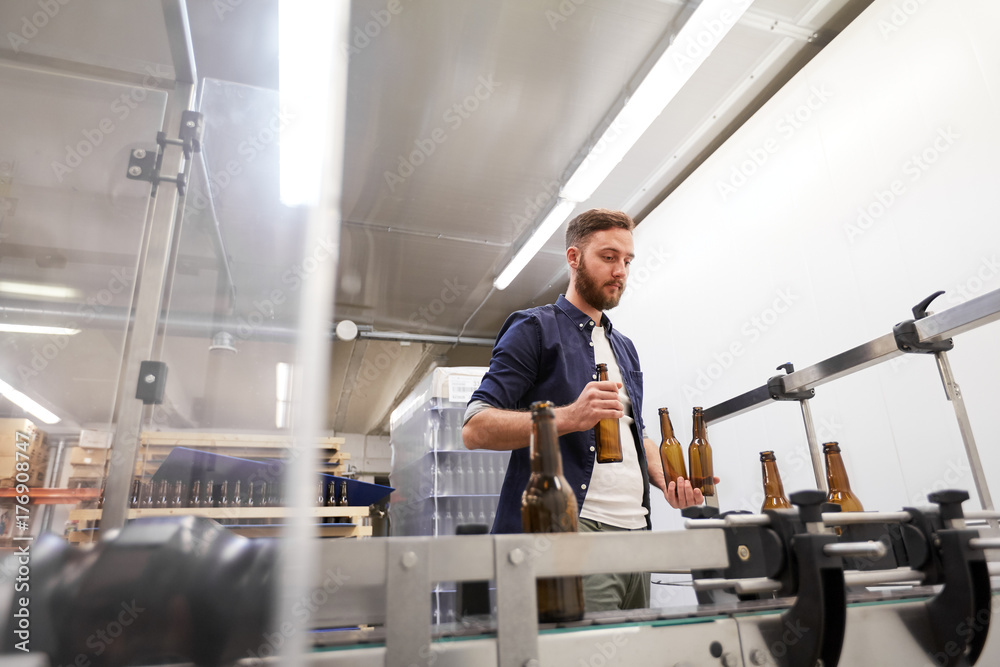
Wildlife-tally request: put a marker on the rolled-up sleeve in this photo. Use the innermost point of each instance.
(514, 366)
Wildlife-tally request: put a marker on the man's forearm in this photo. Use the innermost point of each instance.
(505, 430)
(654, 465)
(499, 430)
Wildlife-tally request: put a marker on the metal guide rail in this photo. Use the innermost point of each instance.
(926, 333)
(780, 588)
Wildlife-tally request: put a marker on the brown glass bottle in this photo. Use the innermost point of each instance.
(671, 452)
(136, 493)
(836, 480)
(549, 506)
(606, 433)
(700, 457)
(342, 501)
(774, 492)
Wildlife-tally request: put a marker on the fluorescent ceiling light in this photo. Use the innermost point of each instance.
(283, 377)
(555, 218)
(307, 32)
(694, 43)
(25, 403)
(32, 329)
(283, 392)
(33, 289)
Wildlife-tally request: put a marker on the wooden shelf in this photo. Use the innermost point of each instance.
(46, 496)
(345, 530)
(226, 440)
(224, 512)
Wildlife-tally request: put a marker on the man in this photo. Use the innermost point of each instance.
(550, 353)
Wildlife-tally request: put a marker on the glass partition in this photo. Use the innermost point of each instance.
(71, 230)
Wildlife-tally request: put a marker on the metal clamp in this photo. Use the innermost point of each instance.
(144, 165)
(791, 555)
(776, 386)
(960, 614)
(908, 338)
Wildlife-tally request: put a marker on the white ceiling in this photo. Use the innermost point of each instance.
(417, 256)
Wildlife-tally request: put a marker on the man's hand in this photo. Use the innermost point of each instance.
(681, 494)
(599, 400)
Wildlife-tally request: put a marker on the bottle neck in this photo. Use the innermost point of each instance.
(666, 427)
(602, 372)
(772, 480)
(836, 474)
(698, 428)
(546, 458)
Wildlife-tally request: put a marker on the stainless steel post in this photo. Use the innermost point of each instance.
(165, 216)
(817, 456)
(954, 394)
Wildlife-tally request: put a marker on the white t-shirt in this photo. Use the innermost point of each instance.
(614, 494)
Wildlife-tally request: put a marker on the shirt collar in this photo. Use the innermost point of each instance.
(580, 318)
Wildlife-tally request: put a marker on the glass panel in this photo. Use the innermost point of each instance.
(71, 227)
(218, 441)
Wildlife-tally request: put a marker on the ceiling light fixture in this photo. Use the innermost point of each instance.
(283, 394)
(35, 329)
(694, 43)
(34, 289)
(556, 216)
(26, 404)
(307, 33)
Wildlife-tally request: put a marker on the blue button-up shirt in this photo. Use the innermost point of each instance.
(544, 354)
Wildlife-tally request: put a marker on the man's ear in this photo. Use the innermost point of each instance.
(573, 255)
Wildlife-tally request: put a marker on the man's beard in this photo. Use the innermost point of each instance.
(592, 293)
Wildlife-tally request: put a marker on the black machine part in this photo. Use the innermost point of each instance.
(171, 588)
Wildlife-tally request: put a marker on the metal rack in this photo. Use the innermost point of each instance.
(925, 334)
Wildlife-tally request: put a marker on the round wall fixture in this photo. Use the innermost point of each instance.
(347, 330)
(223, 342)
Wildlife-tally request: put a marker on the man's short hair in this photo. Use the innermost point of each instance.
(595, 220)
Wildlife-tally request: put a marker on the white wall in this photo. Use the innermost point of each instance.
(370, 454)
(771, 259)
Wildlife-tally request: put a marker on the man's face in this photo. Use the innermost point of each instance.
(602, 267)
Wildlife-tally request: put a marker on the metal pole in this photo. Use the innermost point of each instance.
(817, 457)
(166, 214)
(954, 394)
